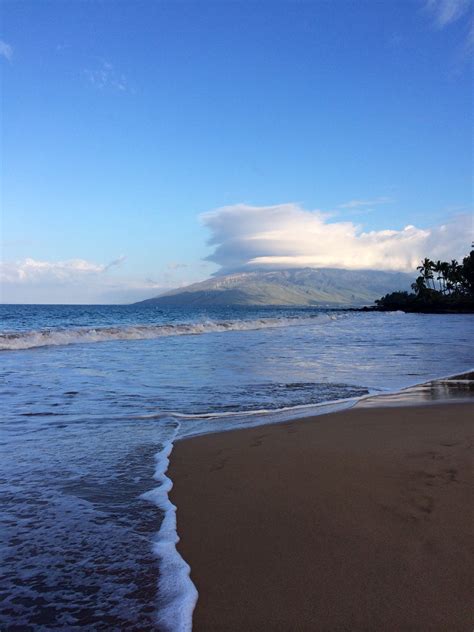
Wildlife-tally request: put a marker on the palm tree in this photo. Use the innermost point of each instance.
(443, 268)
(454, 275)
(426, 268)
(419, 286)
(467, 274)
(437, 267)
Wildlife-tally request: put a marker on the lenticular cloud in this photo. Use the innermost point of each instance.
(287, 235)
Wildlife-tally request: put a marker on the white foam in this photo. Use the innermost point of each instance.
(207, 426)
(10, 341)
(245, 414)
(177, 593)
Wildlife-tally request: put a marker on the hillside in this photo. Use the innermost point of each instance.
(304, 286)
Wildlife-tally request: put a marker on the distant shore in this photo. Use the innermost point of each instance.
(357, 520)
(425, 309)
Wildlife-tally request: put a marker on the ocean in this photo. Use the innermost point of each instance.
(92, 399)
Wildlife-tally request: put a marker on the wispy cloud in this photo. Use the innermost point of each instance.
(287, 235)
(71, 281)
(104, 76)
(445, 12)
(28, 270)
(362, 203)
(6, 50)
(32, 280)
(176, 265)
(115, 262)
(470, 38)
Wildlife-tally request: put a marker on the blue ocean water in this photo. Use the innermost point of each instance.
(92, 398)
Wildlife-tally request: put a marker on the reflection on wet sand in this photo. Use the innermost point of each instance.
(457, 387)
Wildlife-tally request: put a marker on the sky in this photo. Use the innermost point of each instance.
(146, 145)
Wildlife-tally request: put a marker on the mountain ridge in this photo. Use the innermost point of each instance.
(323, 287)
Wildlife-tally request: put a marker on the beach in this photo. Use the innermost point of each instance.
(355, 520)
(95, 401)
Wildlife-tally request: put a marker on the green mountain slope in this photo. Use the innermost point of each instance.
(305, 286)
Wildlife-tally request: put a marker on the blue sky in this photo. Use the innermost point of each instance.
(124, 122)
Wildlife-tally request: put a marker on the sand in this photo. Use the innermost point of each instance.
(359, 520)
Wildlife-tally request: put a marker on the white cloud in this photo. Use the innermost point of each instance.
(470, 38)
(31, 270)
(446, 12)
(6, 50)
(105, 76)
(72, 281)
(287, 235)
(80, 281)
(115, 262)
(361, 203)
(176, 265)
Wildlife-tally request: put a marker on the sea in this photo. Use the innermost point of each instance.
(92, 400)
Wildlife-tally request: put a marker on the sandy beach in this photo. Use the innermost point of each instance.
(357, 520)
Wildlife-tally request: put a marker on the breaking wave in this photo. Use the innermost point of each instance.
(177, 593)
(10, 341)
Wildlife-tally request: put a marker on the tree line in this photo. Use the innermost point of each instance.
(441, 286)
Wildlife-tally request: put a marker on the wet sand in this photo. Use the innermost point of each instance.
(357, 520)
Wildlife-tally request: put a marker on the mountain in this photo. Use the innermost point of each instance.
(304, 286)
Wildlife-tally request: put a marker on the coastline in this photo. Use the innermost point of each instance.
(352, 520)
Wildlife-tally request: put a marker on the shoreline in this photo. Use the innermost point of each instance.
(349, 520)
(444, 389)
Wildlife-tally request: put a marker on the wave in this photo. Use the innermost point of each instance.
(10, 341)
(244, 413)
(177, 593)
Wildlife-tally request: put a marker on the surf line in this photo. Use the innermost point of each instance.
(177, 595)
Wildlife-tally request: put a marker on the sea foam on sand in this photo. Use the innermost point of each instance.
(176, 592)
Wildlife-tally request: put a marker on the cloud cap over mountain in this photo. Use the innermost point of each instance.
(287, 235)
